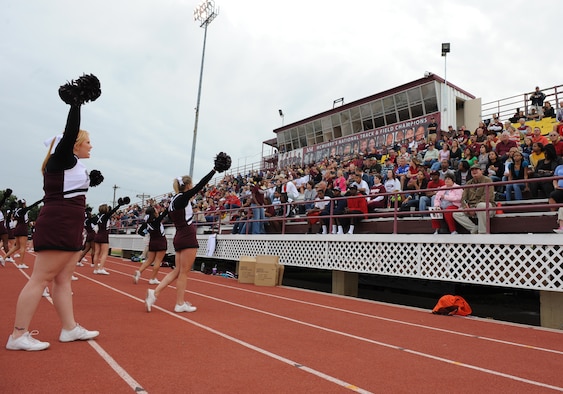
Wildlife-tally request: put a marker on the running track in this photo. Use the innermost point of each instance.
(248, 339)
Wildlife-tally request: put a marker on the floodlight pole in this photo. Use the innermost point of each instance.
(445, 51)
(204, 13)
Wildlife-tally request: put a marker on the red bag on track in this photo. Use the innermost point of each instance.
(452, 305)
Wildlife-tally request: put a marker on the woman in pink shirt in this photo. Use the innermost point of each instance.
(447, 199)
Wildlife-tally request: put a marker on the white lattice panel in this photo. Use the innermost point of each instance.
(530, 261)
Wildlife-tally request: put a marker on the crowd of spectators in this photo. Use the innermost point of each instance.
(503, 152)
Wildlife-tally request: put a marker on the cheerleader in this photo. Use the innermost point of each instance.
(58, 230)
(89, 239)
(101, 239)
(3, 230)
(157, 243)
(21, 229)
(185, 241)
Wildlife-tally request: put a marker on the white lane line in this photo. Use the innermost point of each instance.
(371, 341)
(242, 343)
(119, 370)
(391, 320)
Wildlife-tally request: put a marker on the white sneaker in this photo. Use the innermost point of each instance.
(78, 333)
(46, 292)
(10, 260)
(454, 232)
(103, 272)
(92, 265)
(185, 307)
(79, 264)
(436, 232)
(26, 342)
(21, 266)
(136, 277)
(150, 300)
(74, 277)
(95, 272)
(17, 255)
(154, 282)
(350, 233)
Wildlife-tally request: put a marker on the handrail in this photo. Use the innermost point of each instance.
(396, 214)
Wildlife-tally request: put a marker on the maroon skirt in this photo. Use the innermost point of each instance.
(185, 238)
(59, 225)
(157, 243)
(21, 230)
(3, 229)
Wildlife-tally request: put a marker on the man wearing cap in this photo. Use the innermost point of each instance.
(476, 197)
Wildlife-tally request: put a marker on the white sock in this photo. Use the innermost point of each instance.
(334, 228)
(351, 231)
(324, 229)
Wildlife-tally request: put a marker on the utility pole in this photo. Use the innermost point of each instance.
(115, 187)
(142, 197)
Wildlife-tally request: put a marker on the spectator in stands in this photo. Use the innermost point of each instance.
(517, 170)
(456, 153)
(388, 166)
(548, 110)
(527, 148)
(536, 155)
(537, 137)
(273, 225)
(492, 141)
(448, 197)
(431, 156)
(476, 197)
(556, 196)
(432, 130)
(524, 129)
(545, 168)
(504, 145)
(483, 158)
(415, 186)
(496, 125)
(557, 142)
(444, 153)
(469, 156)
(445, 169)
(414, 166)
(361, 185)
(480, 136)
(355, 205)
(494, 167)
(481, 126)
(463, 174)
(517, 115)
(392, 185)
(377, 198)
(402, 171)
(310, 195)
(514, 135)
(340, 181)
(427, 197)
(558, 127)
(534, 115)
(338, 205)
(257, 206)
(321, 201)
(537, 99)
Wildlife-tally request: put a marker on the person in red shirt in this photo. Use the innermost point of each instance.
(434, 183)
(557, 142)
(537, 137)
(356, 205)
(503, 146)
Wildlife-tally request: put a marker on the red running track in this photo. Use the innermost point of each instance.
(248, 339)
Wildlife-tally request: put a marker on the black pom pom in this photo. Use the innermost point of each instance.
(126, 200)
(77, 92)
(119, 201)
(8, 193)
(96, 178)
(222, 162)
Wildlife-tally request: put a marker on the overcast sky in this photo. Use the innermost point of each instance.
(261, 56)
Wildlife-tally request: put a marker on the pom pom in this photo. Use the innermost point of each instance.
(77, 92)
(222, 162)
(123, 201)
(96, 178)
(7, 193)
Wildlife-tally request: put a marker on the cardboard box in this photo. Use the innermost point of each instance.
(246, 269)
(268, 271)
